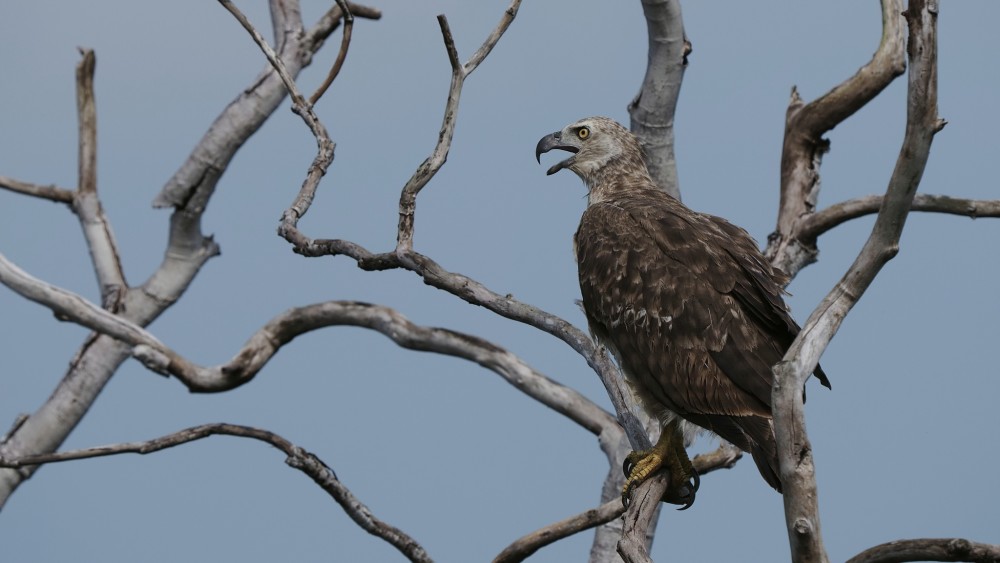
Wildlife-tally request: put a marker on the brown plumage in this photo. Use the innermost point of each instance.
(687, 303)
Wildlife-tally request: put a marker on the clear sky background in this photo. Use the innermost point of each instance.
(905, 443)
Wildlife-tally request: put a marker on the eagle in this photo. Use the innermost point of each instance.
(685, 301)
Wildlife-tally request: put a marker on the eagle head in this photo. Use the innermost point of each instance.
(595, 142)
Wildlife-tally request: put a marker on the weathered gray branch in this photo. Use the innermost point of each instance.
(50, 192)
(826, 219)
(338, 63)
(653, 108)
(929, 549)
(86, 203)
(266, 342)
(794, 448)
(525, 546)
(804, 146)
(298, 458)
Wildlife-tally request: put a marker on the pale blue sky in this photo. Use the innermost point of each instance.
(439, 447)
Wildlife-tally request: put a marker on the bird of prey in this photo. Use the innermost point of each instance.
(685, 301)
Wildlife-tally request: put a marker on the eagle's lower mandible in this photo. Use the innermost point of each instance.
(686, 302)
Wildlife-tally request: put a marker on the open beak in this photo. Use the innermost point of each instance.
(554, 141)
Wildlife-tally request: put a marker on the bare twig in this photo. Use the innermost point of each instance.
(804, 146)
(529, 544)
(429, 167)
(50, 192)
(822, 221)
(794, 448)
(341, 55)
(929, 549)
(87, 205)
(87, 121)
(327, 24)
(652, 110)
(298, 458)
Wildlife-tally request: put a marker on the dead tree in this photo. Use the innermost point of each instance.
(908, 41)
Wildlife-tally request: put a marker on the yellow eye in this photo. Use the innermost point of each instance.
(583, 133)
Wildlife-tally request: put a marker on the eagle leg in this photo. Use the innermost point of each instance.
(669, 454)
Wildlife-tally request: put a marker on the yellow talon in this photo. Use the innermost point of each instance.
(669, 454)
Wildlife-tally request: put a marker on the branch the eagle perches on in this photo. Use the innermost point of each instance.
(119, 320)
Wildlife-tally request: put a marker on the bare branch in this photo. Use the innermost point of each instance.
(298, 458)
(262, 346)
(87, 118)
(652, 109)
(68, 305)
(794, 448)
(87, 206)
(327, 24)
(644, 509)
(272, 57)
(345, 43)
(429, 167)
(803, 147)
(822, 221)
(525, 546)
(936, 549)
(643, 512)
(481, 53)
(50, 192)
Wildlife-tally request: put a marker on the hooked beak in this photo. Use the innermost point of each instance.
(554, 141)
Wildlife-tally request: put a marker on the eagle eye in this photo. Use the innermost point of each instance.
(583, 133)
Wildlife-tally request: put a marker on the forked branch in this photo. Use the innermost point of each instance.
(804, 146)
(794, 448)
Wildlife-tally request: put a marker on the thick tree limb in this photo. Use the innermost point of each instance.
(937, 549)
(794, 449)
(824, 220)
(804, 146)
(653, 108)
(298, 458)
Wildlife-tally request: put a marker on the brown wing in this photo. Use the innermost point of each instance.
(659, 310)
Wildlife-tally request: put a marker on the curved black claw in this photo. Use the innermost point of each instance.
(683, 494)
(627, 466)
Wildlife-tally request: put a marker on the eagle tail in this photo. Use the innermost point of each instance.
(766, 457)
(763, 447)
